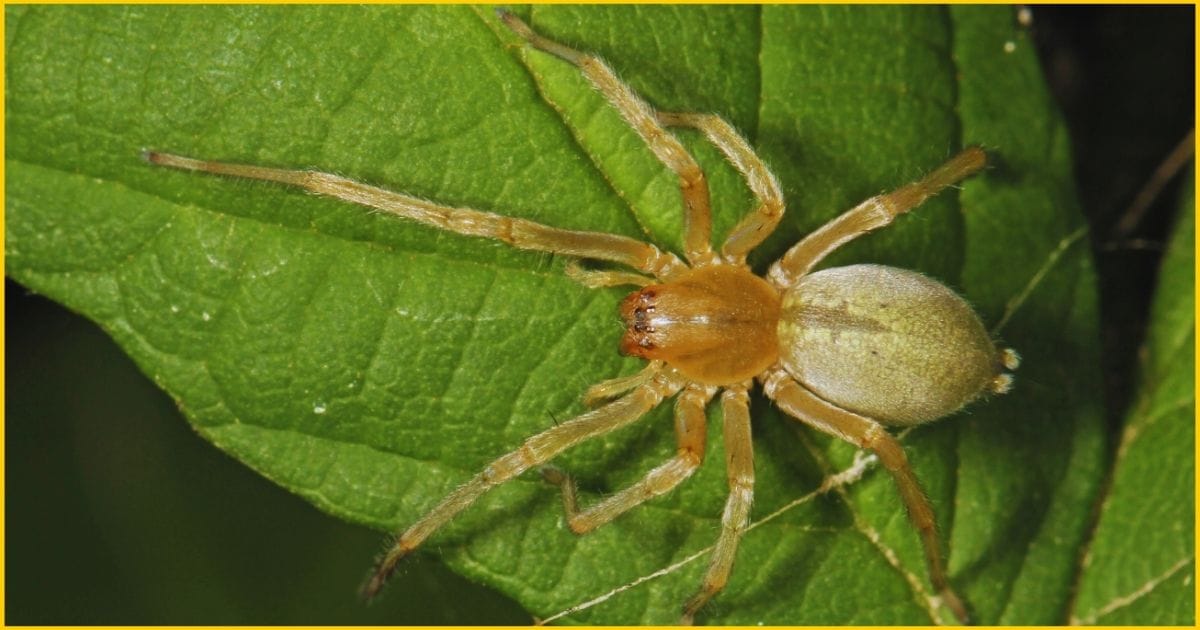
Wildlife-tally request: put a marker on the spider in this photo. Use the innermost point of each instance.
(847, 350)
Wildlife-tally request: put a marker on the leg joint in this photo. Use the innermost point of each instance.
(690, 458)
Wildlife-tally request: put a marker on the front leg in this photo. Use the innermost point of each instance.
(519, 233)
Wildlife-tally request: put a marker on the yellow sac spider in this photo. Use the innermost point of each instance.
(848, 350)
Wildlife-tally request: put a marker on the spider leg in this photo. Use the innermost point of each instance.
(805, 406)
(597, 278)
(534, 451)
(516, 232)
(871, 214)
(739, 465)
(613, 387)
(690, 434)
(666, 147)
(754, 227)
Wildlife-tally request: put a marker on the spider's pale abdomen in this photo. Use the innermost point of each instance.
(716, 325)
(888, 343)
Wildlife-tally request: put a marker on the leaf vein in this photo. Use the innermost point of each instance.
(1122, 601)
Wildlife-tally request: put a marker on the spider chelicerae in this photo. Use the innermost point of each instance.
(847, 350)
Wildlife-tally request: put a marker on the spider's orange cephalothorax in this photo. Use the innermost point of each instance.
(715, 324)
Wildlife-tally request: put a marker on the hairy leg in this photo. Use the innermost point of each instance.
(533, 452)
(613, 387)
(692, 183)
(739, 466)
(871, 214)
(805, 406)
(598, 278)
(690, 434)
(516, 232)
(758, 225)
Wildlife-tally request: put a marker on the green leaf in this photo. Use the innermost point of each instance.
(1140, 565)
(371, 365)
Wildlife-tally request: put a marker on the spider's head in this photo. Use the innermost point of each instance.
(715, 324)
